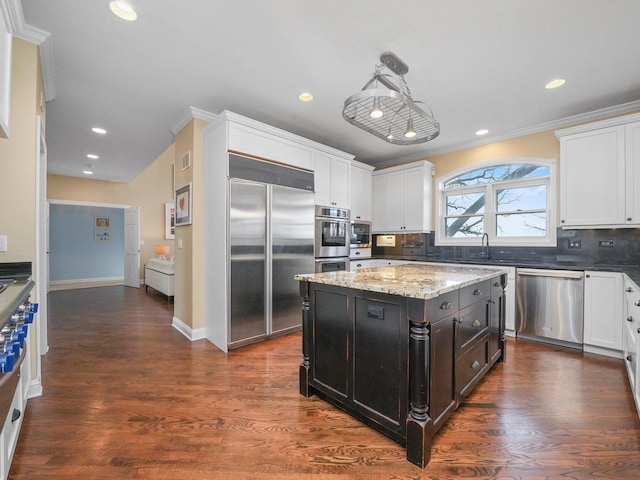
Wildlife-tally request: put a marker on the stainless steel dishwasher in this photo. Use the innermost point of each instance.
(549, 306)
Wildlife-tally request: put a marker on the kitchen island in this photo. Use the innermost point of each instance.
(399, 347)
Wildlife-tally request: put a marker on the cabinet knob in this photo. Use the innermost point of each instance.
(477, 292)
(561, 221)
(475, 365)
(628, 219)
(629, 318)
(637, 303)
(357, 253)
(629, 358)
(445, 306)
(476, 323)
(628, 289)
(588, 276)
(639, 330)
(15, 415)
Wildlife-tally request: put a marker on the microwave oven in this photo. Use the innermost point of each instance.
(361, 234)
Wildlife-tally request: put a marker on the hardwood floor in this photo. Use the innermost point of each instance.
(127, 396)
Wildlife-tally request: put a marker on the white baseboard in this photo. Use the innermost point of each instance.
(602, 351)
(85, 283)
(187, 331)
(35, 389)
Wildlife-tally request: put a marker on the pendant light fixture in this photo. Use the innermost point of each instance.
(384, 107)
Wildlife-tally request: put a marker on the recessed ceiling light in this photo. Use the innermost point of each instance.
(99, 130)
(92, 156)
(558, 82)
(305, 97)
(123, 10)
(87, 172)
(484, 131)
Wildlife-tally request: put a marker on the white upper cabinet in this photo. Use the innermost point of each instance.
(632, 187)
(599, 173)
(402, 198)
(331, 178)
(360, 192)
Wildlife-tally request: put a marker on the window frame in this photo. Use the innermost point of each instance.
(490, 208)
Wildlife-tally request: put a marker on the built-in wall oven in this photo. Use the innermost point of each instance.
(332, 238)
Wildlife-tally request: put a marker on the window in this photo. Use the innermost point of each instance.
(510, 200)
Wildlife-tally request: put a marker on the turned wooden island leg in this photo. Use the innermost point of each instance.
(306, 340)
(419, 424)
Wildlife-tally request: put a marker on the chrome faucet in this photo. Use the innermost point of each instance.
(485, 250)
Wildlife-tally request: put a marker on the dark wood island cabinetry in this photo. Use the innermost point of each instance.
(399, 347)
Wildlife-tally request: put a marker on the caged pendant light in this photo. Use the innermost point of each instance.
(384, 107)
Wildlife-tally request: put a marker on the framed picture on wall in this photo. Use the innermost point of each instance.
(103, 222)
(183, 206)
(169, 221)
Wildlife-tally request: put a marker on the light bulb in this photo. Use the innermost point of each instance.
(376, 111)
(410, 132)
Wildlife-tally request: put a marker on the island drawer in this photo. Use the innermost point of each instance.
(473, 322)
(471, 365)
(474, 293)
(443, 306)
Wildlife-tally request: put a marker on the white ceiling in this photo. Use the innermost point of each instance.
(477, 64)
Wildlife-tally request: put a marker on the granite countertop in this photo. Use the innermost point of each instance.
(413, 281)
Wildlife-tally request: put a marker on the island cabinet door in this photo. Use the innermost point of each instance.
(496, 320)
(380, 344)
(442, 391)
(331, 331)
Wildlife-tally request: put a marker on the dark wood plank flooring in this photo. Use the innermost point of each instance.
(127, 396)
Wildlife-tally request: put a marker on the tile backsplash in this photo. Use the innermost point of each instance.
(613, 246)
(618, 246)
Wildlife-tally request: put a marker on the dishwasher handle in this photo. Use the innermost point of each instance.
(568, 274)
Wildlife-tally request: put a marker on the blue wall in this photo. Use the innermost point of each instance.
(74, 252)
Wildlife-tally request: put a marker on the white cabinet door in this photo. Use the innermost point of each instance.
(415, 200)
(322, 178)
(592, 178)
(632, 173)
(381, 204)
(395, 204)
(331, 179)
(603, 310)
(360, 193)
(340, 174)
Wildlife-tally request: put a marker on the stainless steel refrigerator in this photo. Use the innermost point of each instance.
(271, 238)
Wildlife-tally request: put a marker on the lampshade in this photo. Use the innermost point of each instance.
(162, 251)
(384, 107)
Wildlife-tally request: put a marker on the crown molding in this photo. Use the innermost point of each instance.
(538, 128)
(191, 113)
(17, 26)
(46, 60)
(12, 12)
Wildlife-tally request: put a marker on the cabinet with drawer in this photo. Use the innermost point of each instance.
(631, 336)
(472, 336)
